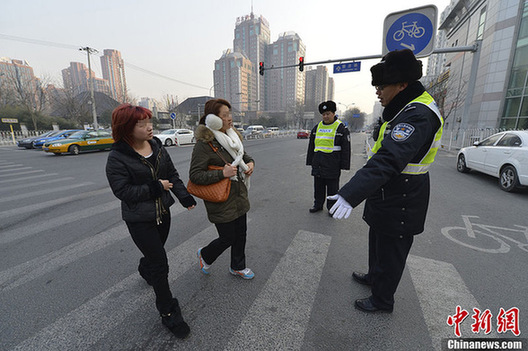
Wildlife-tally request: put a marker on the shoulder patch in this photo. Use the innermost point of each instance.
(402, 131)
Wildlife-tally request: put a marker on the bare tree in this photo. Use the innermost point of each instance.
(66, 104)
(27, 92)
(170, 104)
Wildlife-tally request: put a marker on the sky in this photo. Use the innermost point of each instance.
(180, 40)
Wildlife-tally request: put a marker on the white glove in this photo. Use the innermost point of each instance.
(341, 208)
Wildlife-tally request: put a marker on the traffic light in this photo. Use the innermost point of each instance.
(301, 63)
(261, 68)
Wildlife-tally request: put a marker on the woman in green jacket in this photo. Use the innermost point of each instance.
(219, 144)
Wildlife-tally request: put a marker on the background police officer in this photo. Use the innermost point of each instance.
(328, 153)
(395, 180)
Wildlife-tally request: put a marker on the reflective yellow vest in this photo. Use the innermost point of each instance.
(325, 135)
(425, 163)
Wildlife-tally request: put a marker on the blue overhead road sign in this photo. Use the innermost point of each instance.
(347, 67)
(413, 29)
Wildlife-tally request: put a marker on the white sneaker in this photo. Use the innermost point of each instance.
(246, 273)
(203, 266)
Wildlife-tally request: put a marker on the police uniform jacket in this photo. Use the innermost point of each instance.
(396, 203)
(329, 165)
(135, 181)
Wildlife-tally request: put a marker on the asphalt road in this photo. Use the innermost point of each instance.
(68, 278)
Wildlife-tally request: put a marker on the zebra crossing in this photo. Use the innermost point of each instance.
(279, 313)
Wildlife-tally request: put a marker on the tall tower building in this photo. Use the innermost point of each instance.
(233, 80)
(317, 88)
(76, 79)
(285, 87)
(252, 36)
(114, 72)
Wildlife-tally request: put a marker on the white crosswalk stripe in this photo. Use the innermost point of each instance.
(280, 314)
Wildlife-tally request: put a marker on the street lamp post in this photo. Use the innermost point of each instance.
(90, 81)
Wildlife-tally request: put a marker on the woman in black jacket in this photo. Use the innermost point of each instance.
(141, 173)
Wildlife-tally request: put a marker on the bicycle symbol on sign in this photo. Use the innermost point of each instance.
(411, 29)
(487, 238)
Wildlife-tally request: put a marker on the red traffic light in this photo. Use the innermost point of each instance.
(261, 68)
(301, 63)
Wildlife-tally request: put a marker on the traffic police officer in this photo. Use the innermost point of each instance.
(395, 180)
(328, 153)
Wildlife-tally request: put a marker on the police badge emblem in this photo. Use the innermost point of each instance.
(402, 131)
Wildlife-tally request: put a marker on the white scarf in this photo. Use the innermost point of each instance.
(231, 142)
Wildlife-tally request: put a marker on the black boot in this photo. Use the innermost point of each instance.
(174, 321)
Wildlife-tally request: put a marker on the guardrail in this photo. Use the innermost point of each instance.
(457, 139)
(6, 137)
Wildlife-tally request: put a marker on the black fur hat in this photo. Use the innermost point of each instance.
(327, 106)
(396, 67)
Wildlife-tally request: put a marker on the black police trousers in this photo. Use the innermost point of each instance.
(154, 267)
(387, 257)
(322, 188)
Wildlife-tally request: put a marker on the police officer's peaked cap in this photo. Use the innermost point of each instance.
(396, 67)
(327, 106)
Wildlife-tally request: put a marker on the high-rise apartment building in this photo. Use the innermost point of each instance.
(16, 75)
(285, 87)
(114, 72)
(252, 37)
(233, 80)
(318, 88)
(76, 80)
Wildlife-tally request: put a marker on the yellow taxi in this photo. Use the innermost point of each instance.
(83, 140)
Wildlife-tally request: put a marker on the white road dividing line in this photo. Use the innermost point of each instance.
(25, 186)
(92, 321)
(19, 179)
(44, 191)
(21, 173)
(280, 314)
(25, 272)
(32, 229)
(440, 289)
(47, 204)
(14, 169)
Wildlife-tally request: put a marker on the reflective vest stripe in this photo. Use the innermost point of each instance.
(425, 163)
(325, 136)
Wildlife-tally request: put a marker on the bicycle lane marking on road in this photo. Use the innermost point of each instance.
(279, 316)
(438, 303)
(25, 272)
(83, 327)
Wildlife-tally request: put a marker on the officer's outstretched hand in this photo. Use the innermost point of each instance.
(341, 208)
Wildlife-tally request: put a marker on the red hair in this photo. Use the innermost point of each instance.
(124, 119)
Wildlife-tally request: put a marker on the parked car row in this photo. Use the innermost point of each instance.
(38, 141)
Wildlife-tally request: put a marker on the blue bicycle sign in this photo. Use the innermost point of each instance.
(412, 29)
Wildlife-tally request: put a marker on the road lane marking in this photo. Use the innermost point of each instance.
(47, 204)
(32, 229)
(44, 191)
(86, 325)
(25, 272)
(439, 302)
(279, 316)
(27, 178)
(25, 186)
(5, 168)
(21, 173)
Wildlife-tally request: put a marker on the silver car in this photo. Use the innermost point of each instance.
(503, 155)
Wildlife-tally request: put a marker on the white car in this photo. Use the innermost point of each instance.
(503, 155)
(171, 137)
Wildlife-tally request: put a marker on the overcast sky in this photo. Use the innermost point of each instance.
(182, 39)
